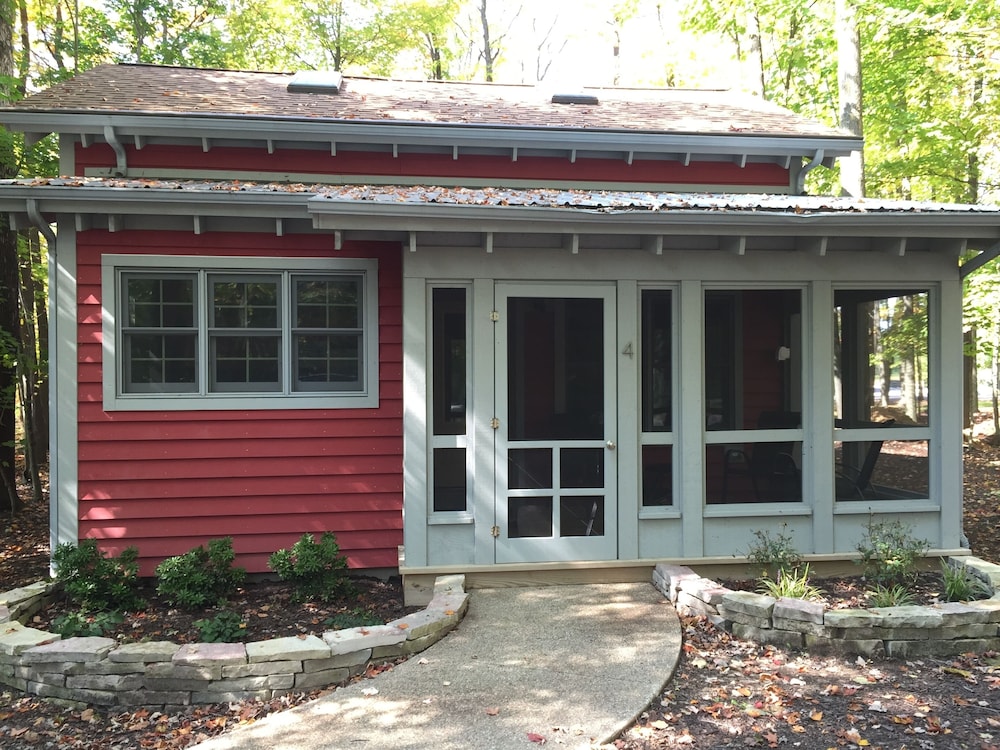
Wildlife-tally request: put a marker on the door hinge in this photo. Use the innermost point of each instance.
(495, 423)
(495, 531)
(494, 316)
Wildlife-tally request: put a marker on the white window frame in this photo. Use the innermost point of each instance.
(115, 399)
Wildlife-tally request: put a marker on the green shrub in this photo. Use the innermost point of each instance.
(201, 576)
(897, 595)
(773, 555)
(355, 618)
(962, 585)
(95, 582)
(890, 553)
(73, 624)
(225, 627)
(316, 570)
(790, 584)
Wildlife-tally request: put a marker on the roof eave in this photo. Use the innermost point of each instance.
(39, 123)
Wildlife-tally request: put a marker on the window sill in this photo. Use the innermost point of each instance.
(752, 510)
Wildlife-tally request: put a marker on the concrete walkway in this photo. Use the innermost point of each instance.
(572, 664)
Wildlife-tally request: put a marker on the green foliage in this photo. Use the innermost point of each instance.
(316, 570)
(225, 627)
(773, 554)
(354, 618)
(889, 551)
(201, 576)
(790, 584)
(95, 582)
(886, 595)
(73, 624)
(962, 585)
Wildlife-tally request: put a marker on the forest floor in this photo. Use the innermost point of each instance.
(726, 693)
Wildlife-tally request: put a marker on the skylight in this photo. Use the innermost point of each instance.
(316, 82)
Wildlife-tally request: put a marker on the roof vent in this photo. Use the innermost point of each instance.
(575, 99)
(316, 82)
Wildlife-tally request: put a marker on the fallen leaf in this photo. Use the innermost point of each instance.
(492, 711)
(536, 738)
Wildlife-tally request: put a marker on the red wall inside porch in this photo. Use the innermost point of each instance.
(168, 481)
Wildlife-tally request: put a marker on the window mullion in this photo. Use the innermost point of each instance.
(286, 310)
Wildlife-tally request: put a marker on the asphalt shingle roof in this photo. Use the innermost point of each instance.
(150, 89)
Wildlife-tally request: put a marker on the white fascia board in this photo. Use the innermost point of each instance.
(423, 134)
(331, 214)
(55, 199)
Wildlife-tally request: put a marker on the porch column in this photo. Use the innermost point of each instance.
(689, 446)
(945, 355)
(817, 402)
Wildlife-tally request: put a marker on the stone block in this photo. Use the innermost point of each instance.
(321, 679)
(76, 695)
(687, 604)
(986, 571)
(118, 683)
(961, 613)
(450, 584)
(703, 588)
(450, 604)
(170, 677)
(352, 659)
(910, 649)
(108, 667)
(87, 649)
(850, 618)
(56, 667)
(360, 639)
(262, 669)
(423, 623)
(991, 607)
(748, 603)
(25, 593)
(798, 609)
(914, 616)
(783, 638)
(869, 648)
(5, 613)
(15, 639)
(291, 648)
(745, 619)
(155, 698)
(152, 651)
(252, 684)
(31, 674)
(670, 577)
(798, 626)
(210, 654)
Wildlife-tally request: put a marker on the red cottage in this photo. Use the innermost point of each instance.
(483, 328)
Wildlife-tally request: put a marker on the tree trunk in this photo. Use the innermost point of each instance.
(488, 58)
(849, 84)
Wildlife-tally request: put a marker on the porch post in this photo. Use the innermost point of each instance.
(817, 401)
(629, 452)
(416, 490)
(689, 446)
(945, 356)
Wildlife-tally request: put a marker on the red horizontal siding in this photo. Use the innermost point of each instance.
(168, 481)
(539, 168)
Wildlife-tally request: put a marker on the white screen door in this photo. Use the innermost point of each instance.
(555, 395)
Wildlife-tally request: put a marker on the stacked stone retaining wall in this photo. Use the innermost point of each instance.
(942, 629)
(164, 675)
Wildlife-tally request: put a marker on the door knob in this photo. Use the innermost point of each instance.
(611, 445)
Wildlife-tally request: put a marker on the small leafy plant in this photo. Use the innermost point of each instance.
(225, 627)
(73, 624)
(201, 576)
(790, 584)
(962, 585)
(316, 570)
(895, 595)
(890, 553)
(773, 554)
(95, 582)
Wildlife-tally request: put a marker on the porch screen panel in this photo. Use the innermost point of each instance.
(159, 333)
(449, 399)
(882, 393)
(657, 368)
(753, 382)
